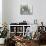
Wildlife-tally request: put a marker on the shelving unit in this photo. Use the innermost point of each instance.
(18, 29)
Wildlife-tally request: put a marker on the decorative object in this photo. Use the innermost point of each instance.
(2, 40)
(26, 10)
(28, 33)
(35, 21)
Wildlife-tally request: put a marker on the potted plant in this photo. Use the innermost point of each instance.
(3, 34)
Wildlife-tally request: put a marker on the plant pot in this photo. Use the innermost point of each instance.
(2, 40)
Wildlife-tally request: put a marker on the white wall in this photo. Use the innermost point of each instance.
(4, 11)
(0, 13)
(15, 14)
(12, 13)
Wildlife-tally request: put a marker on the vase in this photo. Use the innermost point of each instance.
(2, 40)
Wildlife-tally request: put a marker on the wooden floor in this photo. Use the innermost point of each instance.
(36, 44)
(42, 45)
(32, 45)
(1, 45)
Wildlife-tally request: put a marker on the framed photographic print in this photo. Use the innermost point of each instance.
(26, 10)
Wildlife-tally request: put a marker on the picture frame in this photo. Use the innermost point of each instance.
(26, 10)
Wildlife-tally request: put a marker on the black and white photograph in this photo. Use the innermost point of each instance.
(25, 10)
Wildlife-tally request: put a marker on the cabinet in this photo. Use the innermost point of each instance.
(18, 29)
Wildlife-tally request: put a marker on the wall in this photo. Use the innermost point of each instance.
(0, 13)
(4, 13)
(12, 13)
(15, 13)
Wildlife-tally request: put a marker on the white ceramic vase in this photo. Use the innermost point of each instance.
(2, 40)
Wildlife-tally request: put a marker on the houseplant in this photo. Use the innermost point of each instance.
(3, 34)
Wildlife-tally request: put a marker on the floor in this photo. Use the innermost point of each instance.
(1, 45)
(33, 45)
(36, 44)
(42, 45)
